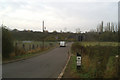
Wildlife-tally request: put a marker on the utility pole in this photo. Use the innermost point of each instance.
(43, 34)
(43, 26)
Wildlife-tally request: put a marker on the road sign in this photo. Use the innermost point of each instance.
(78, 59)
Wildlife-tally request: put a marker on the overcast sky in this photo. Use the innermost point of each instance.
(58, 14)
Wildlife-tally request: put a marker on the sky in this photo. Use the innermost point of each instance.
(65, 15)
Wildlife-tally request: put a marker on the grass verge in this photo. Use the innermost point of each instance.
(27, 55)
(98, 61)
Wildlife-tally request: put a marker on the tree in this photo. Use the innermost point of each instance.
(7, 42)
(78, 30)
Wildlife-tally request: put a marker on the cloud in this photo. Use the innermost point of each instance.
(59, 14)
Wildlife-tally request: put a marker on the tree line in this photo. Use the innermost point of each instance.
(109, 33)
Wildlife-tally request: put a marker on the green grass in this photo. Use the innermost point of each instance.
(98, 60)
(100, 43)
(71, 68)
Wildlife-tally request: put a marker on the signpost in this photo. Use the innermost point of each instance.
(78, 58)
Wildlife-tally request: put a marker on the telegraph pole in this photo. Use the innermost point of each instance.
(43, 26)
(43, 33)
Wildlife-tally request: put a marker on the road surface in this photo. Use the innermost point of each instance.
(48, 65)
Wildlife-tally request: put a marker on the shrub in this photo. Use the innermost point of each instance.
(7, 42)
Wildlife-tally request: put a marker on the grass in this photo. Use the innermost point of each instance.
(26, 56)
(98, 60)
(29, 45)
(71, 68)
(100, 43)
(20, 53)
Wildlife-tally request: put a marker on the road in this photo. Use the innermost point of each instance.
(48, 65)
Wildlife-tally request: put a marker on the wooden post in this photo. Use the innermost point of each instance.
(24, 46)
(29, 46)
(37, 45)
(33, 47)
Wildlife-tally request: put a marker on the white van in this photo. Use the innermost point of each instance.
(62, 44)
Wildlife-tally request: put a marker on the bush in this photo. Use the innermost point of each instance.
(98, 61)
(7, 42)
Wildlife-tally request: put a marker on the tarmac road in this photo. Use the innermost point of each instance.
(48, 65)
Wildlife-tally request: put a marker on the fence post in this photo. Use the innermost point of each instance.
(37, 45)
(33, 47)
(29, 46)
(23, 46)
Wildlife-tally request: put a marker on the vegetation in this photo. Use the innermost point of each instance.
(109, 33)
(7, 42)
(56, 36)
(40, 36)
(105, 34)
(98, 61)
(28, 50)
(102, 37)
(12, 49)
(99, 43)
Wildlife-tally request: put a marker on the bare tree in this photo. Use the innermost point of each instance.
(78, 30)
(65, 29)
(97, 28)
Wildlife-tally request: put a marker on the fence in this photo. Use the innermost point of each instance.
(27, 46)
